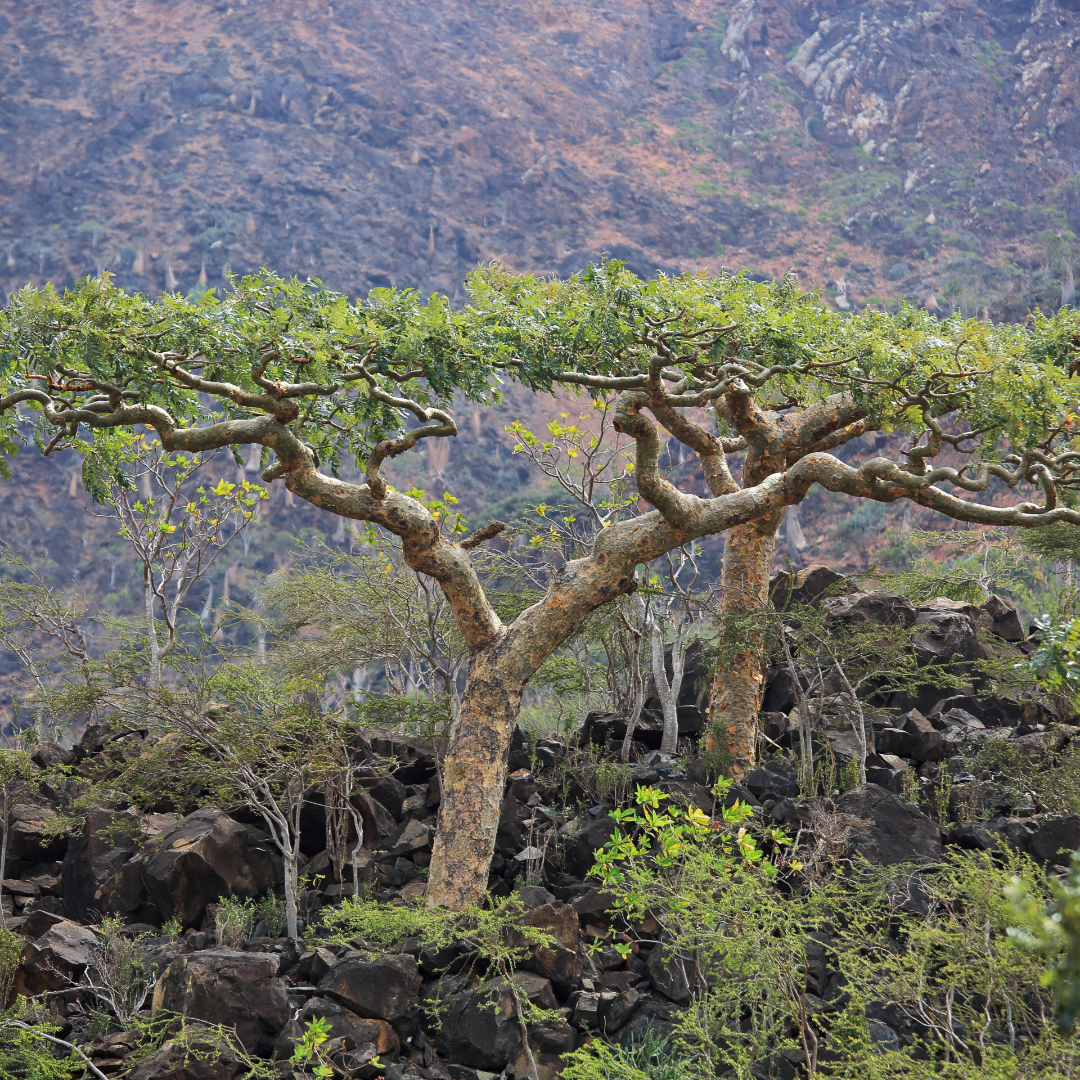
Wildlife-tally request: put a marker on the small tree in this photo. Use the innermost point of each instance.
(240, 737)
(309, 377)
(16, 771)
(177, 531)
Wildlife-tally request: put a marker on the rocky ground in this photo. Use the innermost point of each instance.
(926, 791)
(883, 149)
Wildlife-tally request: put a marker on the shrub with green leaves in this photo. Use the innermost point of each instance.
(776, 968)
(233, 921)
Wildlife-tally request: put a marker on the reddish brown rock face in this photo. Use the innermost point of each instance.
(373, 145)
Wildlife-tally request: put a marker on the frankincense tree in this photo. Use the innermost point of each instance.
(760, 381)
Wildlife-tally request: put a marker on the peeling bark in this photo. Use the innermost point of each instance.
(738, 685)
(473, 778)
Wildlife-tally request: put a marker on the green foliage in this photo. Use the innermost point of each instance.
(662, 837)
(172, 928)
(967, 565)
(1055, 933)
(272, 910)
(1059, 542)
(233, 921)
(496, 941)
(1056, 661)
(797, 970)
(653, 1058)
(311, 1053)
(30, 1048)
(265, 328)
(119, 978)
(11, 955)
(1008, 777)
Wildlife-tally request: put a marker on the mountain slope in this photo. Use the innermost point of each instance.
(883, 149)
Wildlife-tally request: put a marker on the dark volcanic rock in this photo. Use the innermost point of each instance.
(224, 986)
(885, 608)
(382, 990)
(593, 832)
(1004, 619)
(668, 973)
(775, 777)
(206, 857)
(561, 960)
(897, 831)
(201, 1060)
(93, 857)
(1055, 840)
(57, 958)
(806, 586)
(947, 631)
(926, 744)
(480, 1027)
(30, 818)
(344, 1023)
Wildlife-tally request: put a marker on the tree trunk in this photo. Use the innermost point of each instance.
(3, 857)
(739, 682)
(290, 860)
(474, 775)
(668, 693)
(151, 634)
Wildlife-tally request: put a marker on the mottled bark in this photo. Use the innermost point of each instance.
(739, 682)
(473, 778)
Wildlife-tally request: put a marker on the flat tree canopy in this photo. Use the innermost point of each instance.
(759, 375)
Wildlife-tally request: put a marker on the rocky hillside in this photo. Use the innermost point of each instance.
(949, 773)
(884, 149)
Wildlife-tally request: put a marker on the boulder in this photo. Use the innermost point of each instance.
(946, 631)
(597, 729)
(49, 755)
(926, 744)
(653, 1019)
(591, 831)
(885, 777)
(781, 694)
(593, 906)
(668, 974)
(1004, 619)
(845, 745)
(480, 1027)
(860, 608)
(806, 586)
(776, 777)
(224, 986)
(385, 989)
(124, 893)
(388, 790)
(995, 833)
(408, 837)
(346, 1024)
(199, 1059)
(1056, 839)
(897, 831)
(895, 740)
(561, 960)
(31, 817)
(57, 959)
(377, 820)
(208, 856)
(520, 755)
(93, 856)
(512, 834)
(685, 793)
